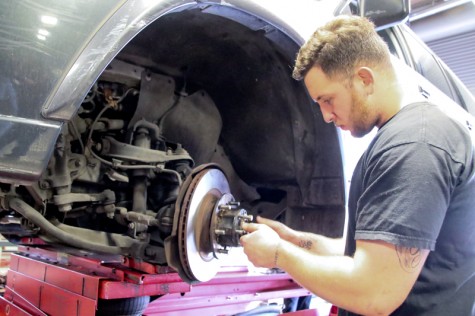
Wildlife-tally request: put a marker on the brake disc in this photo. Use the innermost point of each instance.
(206, 223)
(199, 203)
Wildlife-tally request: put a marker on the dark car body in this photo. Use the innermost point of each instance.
(210, 79)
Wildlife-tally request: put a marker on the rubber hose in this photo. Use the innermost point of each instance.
(32, 214)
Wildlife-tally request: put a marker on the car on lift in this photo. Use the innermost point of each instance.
(152, 129)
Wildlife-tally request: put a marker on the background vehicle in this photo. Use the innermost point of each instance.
(119, 119)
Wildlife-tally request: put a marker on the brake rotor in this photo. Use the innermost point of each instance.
(200, 202)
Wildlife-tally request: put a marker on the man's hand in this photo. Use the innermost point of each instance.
(285, 232)
(312, 242)
(261, 244)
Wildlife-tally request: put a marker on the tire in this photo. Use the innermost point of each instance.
(134, 306)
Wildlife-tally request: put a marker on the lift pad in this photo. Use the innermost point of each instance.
(47, 281)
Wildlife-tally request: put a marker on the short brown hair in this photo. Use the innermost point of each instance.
(339, 46)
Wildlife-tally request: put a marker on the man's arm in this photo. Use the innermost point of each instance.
(312, 242)
(374, 282)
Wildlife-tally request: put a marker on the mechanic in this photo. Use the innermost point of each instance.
(410, 246)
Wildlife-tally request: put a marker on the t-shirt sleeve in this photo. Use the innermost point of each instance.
(408, 188)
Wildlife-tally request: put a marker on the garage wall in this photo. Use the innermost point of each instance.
(458, 53)
(451, 35)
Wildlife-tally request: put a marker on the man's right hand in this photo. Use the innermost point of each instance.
(284, 232)
(312, 242)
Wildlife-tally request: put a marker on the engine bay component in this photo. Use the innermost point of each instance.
(208, 222)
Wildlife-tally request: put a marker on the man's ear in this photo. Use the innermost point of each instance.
(366, 77)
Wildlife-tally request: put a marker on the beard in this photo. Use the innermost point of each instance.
(360, 115)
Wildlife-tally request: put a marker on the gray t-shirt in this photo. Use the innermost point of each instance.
(415, 187)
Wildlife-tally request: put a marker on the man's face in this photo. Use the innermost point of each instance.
(340, 102)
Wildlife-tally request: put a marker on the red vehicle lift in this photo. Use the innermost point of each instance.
(48, 281)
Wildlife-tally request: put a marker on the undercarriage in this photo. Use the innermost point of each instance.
(178, 142)
(117, 186)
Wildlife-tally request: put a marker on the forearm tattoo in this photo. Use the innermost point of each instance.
(409, 258)
(276, 255)
(306, 244)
